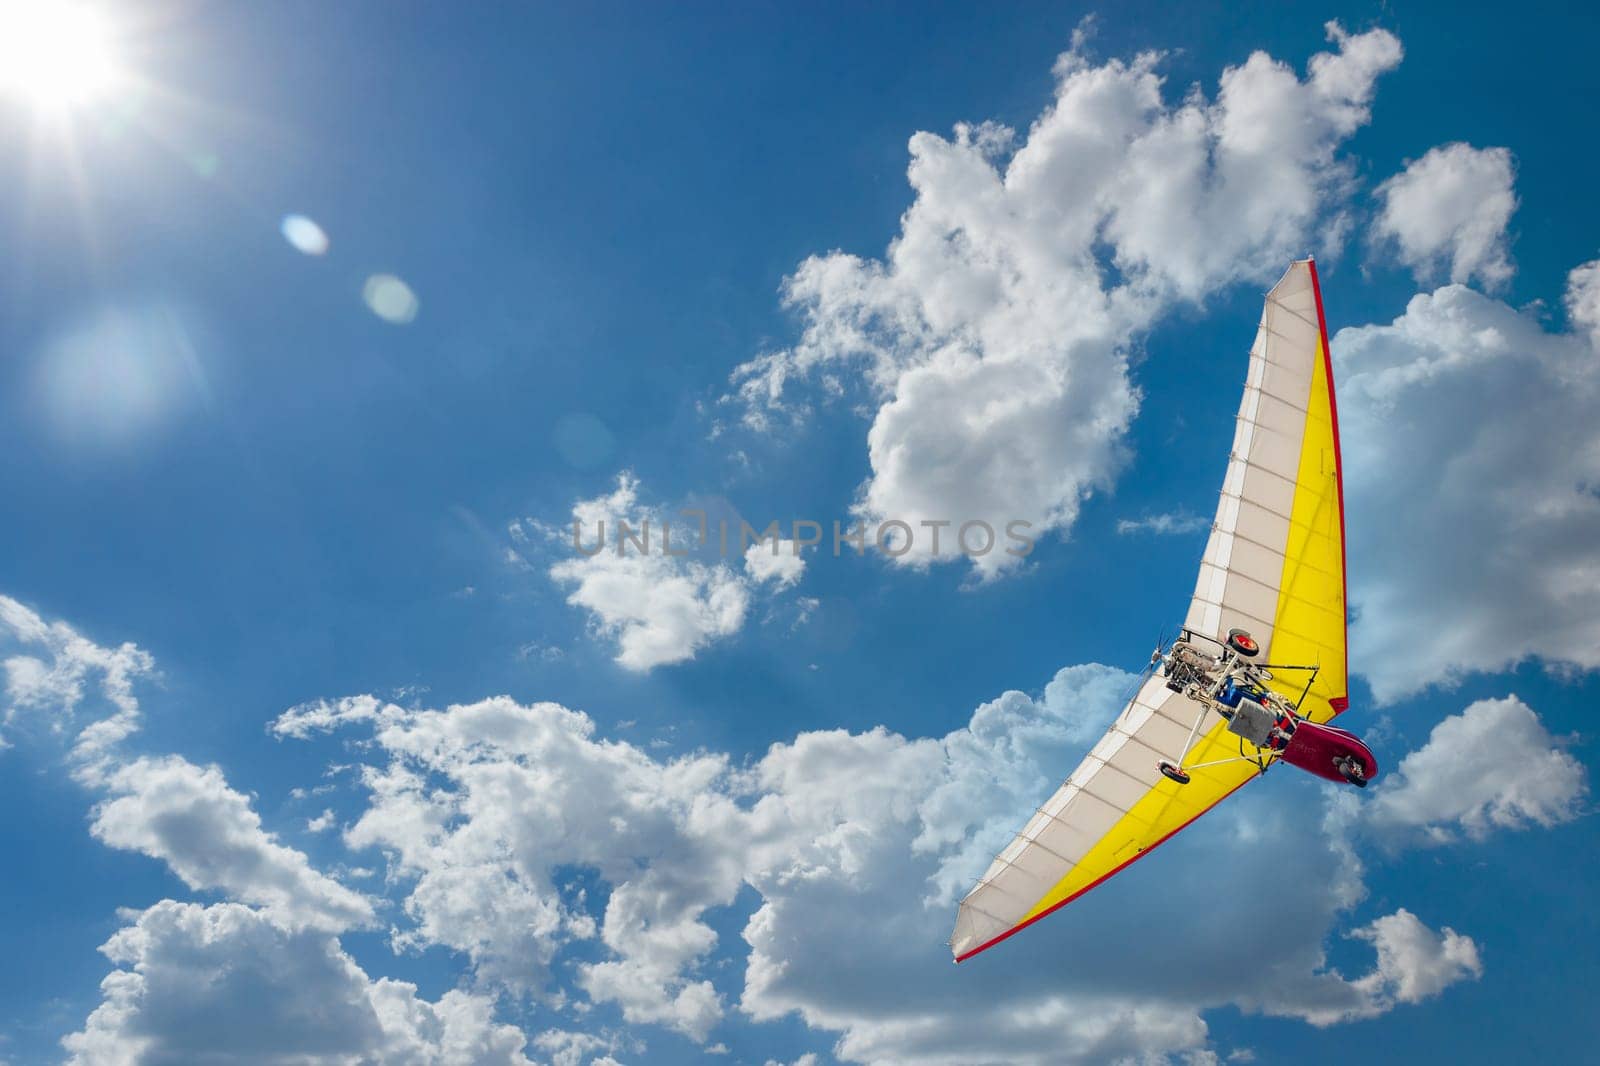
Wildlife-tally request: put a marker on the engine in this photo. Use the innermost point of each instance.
(1187, 665)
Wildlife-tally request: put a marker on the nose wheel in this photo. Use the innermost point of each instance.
(1351, 770)
(1172, 772)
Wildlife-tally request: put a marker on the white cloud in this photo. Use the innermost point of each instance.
(1449, 211)
(1493, 766)
(571, 1048)
(54, 686)
(994, 335)
(858, 846)
(168, 808)
(529, 793)
(652, 582)
(494, 814)
(319, 716)
(1471, 441)
(775, 560)
(227, 985)
(1414, 962)
(1583, 300)
(891, 831)
(1173, 523)
(659, 607)
(188, 817)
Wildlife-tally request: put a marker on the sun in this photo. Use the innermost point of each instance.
(57, 55)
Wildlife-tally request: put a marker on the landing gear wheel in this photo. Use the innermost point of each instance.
(1172, 773)
(1243, 643)
(1351, 771)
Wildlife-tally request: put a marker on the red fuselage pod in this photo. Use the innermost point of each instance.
(1318, 748)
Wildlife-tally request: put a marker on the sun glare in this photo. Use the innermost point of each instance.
(55, 54)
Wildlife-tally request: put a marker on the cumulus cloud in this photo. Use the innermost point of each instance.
(566, 1047)
(227, 985)
(498, 818)
(993, 337)
(858, 846)
(1583, 301)
(895, 830)
(47, 673)
(188, 817)
(1493, 766)
(185, 815)
(531, 794)
(660, 585)
(775, 560)
(659, 607)
(1414, 962)
(1448, 212)
(1471, 439)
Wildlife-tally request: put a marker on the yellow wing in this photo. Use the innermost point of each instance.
(1274, 565)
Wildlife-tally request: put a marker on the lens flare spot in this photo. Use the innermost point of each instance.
(121, 374)
(305, 235)
(390, 299)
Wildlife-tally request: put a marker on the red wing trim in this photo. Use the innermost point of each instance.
(1046, 913)
(1342, 702)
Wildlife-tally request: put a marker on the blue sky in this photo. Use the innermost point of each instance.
(217, 452)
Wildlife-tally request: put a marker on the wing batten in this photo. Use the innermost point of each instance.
(1273, 564)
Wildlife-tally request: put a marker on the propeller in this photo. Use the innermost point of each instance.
(1161, 647)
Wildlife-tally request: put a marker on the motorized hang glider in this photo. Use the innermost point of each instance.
(1260, 665)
